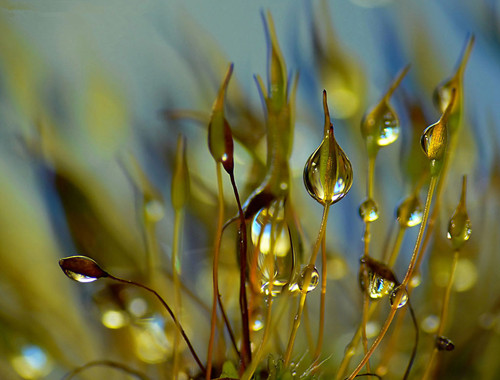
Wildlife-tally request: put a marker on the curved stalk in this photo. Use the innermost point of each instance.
(177, 287)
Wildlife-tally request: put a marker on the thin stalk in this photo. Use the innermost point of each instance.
(246, 351)
(322, 304)
(177, 287)
(169, 310)
(444, 314)
(303, 295)
(394, 307)
(215, 270)
(151, 251)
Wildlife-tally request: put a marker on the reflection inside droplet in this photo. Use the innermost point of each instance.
(79, 277)
(310, 276)
(368, 211)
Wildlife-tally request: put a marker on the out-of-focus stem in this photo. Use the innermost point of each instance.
(444, 315)
(215, 270)
(177, 287)
(307, 280)
(322, 305)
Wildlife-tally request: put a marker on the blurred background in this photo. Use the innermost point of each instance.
(93, 96)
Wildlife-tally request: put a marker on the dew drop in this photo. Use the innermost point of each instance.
(459, 227)
(271, 240)
(381, 280)
(444, 344)
(409, 212)
(368, 211)
(442, 95)
(328, 171)
(404, 297)
(309, 278)
(328, 183)
(81, 269)
(382, 124)
(434, 140)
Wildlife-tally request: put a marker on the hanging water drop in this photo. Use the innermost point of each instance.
(459, 227)
(381, 124)
(328, 171)
(368, 211)
(271, 241)
(379, 277)
(409, 212)
(81, 269)
(309, 279)
(394, 295)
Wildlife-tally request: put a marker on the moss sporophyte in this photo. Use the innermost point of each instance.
(272, 323)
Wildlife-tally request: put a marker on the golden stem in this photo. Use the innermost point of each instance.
(322, 304)
(444, 315)
(394, 307)
(307, 280)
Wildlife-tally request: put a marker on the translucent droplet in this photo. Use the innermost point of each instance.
(372, 329)
(380, 125)
(404, 297)
(114, 319)
(444, 344)
(331, 187)
(416, 280)
(271, 241)
(441, 96)
(328, 171)
(409, 212)
(32, 362)
(381, 280)
(309, 278)
(459, 227)
(368, 211)
(81, 269)
(434, 140)
(257, 322)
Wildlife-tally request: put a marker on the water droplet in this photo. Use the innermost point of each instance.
(271, 239)
(434, 140)
(32, 362)
(444, 344)
(81, 269)
(381, 125)
(309, 278)
(327, 178)
(404, 297)
(441, 96)
(114, 319)
(381, 280)
(409, 212)
(257, 321)
(459, 227)
(368, 211)
(416, 280)
(328, 171)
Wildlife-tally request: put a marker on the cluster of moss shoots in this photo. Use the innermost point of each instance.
(268, 231)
